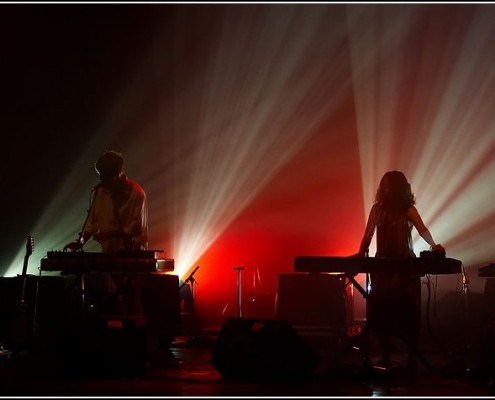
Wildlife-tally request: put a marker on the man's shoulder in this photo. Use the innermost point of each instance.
(135, 186)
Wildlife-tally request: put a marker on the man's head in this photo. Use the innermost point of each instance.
(110, 166)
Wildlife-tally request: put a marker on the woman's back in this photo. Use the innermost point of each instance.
(393, 233)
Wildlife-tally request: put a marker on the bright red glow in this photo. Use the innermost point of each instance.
(313, 206)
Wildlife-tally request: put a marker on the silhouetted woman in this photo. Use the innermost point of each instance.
(394, 303)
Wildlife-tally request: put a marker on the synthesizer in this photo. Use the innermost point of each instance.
(130, 262)
(354, 265)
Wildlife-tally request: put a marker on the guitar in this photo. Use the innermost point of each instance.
(29, 251)
(21, 325)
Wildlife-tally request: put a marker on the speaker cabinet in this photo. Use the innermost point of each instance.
(489, 299)
(261, 349)
(160, 299)
(161, 302)
(16, 326)
(311, 300)
(99, 346)
(42, 311)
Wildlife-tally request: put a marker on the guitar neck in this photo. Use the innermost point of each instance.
(24, 282)
(25, 266)
(29, 251)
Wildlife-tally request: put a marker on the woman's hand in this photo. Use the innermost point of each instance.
(438, 248)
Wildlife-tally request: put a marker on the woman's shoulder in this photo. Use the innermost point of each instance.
(413, 213)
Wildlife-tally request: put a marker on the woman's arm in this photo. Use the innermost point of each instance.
(423, 230)
(369, 231)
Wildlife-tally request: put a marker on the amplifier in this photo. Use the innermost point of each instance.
(312, 300)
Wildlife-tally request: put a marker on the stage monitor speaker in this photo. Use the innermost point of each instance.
(317, 300)
(262, 350)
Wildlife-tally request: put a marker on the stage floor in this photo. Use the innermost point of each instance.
(185, 369)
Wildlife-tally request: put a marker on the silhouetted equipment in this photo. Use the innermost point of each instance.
(432, 254)
(317, 307)
(120, 345)
(109, 346)
(22, 325)
(190, 278)
(45, 295)
(350, 266)
(487, 271)
(81, 262)
(100, 340)
(311, 300)
(261, 349)
(187, 289)
(354, 265)
(484, 368)
(160, 298)
(239, 290)
(489, 300)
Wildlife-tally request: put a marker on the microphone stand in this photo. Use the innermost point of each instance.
(239, 288)
(80, 241)
(466, 322)
(190, 280)
(91, 203)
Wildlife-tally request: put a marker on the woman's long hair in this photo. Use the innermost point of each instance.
(394, 192)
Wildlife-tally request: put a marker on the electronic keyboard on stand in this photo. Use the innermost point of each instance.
(81, 263)
(350, 266)
(129, 262)
(354, 265)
